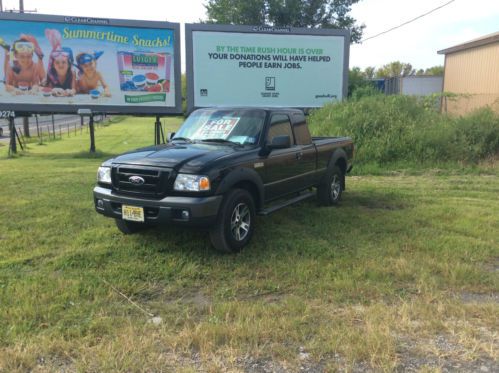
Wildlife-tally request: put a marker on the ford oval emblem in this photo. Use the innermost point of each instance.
(136, 180)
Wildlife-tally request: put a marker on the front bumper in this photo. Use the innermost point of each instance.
(203, 211)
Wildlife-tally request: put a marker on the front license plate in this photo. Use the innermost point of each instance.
(132, 213)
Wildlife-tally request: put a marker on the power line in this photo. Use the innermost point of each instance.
(410, 21)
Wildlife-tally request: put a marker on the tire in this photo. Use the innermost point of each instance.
(235, 223)
(129, 227)
(1, 131)
(330, 189)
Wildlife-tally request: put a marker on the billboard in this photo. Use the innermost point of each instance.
(265, 66)
(61, 64)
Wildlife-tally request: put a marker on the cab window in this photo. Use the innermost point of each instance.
(280, 125)
(301, 130)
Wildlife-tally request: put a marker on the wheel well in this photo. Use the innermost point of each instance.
(342, 164)
(252, 188)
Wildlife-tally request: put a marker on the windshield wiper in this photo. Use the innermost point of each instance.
(186, 139)
(222, 141)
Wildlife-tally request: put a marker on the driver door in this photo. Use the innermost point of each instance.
(281, 173)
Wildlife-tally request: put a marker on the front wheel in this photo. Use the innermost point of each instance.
(330, 189)
(235, 223)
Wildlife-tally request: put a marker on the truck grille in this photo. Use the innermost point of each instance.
(155, 181)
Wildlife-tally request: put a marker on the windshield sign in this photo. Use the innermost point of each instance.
(216, 129)
(242, 126)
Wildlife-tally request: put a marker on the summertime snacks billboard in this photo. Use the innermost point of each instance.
(62, 64)
(265, 66)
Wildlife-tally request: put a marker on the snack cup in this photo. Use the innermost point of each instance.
(47, 92)
(139, 81)
(94, 93)
(152, 78)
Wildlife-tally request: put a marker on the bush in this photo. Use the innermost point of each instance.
(405, 128)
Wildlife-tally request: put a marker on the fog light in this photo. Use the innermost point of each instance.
(185, 214)
(100, 204)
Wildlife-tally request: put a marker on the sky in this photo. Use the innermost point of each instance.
(416, 43)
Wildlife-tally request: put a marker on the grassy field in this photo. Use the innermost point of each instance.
(402, 276)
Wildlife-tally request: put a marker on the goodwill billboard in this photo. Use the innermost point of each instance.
(265, 66)
(62, 64)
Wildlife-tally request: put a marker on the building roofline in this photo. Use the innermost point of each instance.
(484, 40)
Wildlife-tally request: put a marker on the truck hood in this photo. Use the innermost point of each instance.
(190, 157)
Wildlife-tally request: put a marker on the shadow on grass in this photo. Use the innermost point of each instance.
(79, 155)
(304, 221)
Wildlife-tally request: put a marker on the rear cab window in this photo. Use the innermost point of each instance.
(300, 129)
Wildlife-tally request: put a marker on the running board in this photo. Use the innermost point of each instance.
(289, 202)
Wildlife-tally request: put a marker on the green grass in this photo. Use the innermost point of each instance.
(394, 266)
(397, 128)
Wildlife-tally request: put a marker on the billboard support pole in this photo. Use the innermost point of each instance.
(92, 136)
(37, 126)
(158, 132)
(12, 129)
(53, 125)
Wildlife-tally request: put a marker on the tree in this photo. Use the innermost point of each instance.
(435, 70)
(395, 69)
(294, 13)
(370, 72)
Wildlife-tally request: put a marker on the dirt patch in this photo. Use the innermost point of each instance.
(447, 357)
(467, 297)
(193, 298)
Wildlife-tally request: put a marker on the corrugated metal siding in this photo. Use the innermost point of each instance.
(421, 85)
(475, 73)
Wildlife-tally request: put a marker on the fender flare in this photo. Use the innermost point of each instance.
(242, 174)
(337, 155)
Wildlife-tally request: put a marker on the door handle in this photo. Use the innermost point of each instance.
(299, 155)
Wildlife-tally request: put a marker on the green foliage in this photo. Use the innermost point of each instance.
(356, 79)
(295, 13)
(360, 84)
(395, 69)
(435, 70)
(389, 129)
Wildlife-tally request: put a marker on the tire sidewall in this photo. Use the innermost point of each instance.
(334, 171)
(236, 197)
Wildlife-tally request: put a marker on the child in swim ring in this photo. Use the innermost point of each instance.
(89, 78)
(23, 75)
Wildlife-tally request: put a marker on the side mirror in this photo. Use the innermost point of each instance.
(169, 136)
(280, 142)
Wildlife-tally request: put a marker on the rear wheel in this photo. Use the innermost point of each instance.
(235, 223)
(330, 189)
(129, 227)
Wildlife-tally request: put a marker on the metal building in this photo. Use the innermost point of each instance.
(472, 71)
(418, 85)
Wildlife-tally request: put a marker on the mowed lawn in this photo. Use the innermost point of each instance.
(402, 276)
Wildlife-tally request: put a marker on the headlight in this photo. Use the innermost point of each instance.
(192, 183)
(104, 175)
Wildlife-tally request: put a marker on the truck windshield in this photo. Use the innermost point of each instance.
(220, 126)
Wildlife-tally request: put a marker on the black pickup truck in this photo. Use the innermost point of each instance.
(222, 168)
